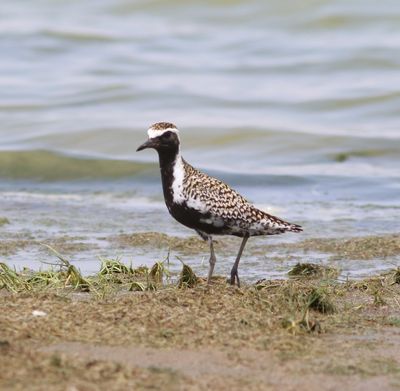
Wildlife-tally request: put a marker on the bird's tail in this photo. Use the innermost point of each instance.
(281, 226)
(294, 228)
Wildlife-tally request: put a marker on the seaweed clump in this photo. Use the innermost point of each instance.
(318, 299)
(4, 221)
(396, 276)
(11, 280)
(360, 248)
(312, 270)
(188, 278)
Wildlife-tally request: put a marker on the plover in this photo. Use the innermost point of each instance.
(204, 203)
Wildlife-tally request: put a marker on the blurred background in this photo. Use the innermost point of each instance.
(293, 103)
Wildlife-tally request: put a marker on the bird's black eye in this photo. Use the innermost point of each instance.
(167, 134)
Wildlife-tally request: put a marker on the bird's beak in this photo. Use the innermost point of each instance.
(150, 143)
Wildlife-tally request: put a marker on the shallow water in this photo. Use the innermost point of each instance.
(293, 104)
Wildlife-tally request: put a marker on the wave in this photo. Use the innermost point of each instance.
(48, 166)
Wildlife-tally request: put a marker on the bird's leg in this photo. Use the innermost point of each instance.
(234, 271)
(213, 259)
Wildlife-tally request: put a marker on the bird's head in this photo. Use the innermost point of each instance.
(163, 137)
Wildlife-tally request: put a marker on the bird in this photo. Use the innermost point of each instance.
(206, 204)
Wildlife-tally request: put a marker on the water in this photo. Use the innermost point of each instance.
(295, 104)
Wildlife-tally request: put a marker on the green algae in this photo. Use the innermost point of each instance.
(187, 278)
(191, 244)
(319, 299)
(11, 280)
(366, 153)
(360, 248)
(49, 166)
(4, 221)
(64, 244)
(11, 246)
(357, 248)
(114, 266)
(68, 244)
(312, 270)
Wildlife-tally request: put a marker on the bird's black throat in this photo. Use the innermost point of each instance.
(167, 158)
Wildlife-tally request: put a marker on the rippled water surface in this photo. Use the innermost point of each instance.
(295, 104)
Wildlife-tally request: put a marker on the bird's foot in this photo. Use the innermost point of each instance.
(235, 277)
(213, 260)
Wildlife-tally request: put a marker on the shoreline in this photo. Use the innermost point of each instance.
(356, 257)
(141, 331)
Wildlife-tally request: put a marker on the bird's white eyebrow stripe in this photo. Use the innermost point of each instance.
(152, 133)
